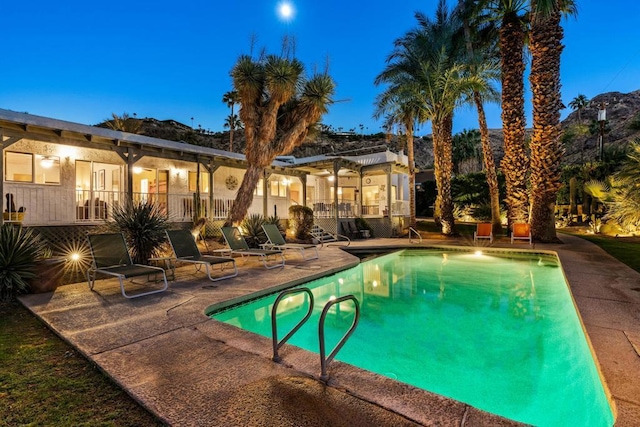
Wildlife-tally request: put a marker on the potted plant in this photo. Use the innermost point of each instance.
(49, 272)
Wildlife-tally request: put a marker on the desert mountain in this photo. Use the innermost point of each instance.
(580, 134)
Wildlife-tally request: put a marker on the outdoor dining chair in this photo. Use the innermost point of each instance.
(186, 250)
(276, 241)
(238, 245)
(521, 231)
(110, 257)
(483, 231)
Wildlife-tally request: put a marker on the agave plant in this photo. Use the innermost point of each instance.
(143, 224)
(252, 230)
(19, 250)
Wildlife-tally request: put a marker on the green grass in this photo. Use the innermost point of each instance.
(624, 249)
(44, 382)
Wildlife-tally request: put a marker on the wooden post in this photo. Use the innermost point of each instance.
(303, 180)
(265, 194)
(336, 169)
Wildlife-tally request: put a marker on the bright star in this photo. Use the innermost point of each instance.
(285, 10)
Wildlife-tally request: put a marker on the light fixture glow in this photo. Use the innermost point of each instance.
(478, 253)
(330, 178)
(75, 256)
(46, 162)
(137, 169)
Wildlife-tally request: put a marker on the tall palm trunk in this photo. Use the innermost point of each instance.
(489, 166)
(232, 128)
(487, 151)
(443, 169)
(546, 148)
(412, 176)
(515, 163)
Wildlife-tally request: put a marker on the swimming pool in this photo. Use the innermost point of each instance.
(498, 331)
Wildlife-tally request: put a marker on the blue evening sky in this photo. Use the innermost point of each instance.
(82, 60)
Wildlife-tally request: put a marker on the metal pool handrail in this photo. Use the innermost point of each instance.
(324, 361)
(417, 234)
(274, 327)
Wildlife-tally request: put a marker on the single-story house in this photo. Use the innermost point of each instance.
(59, 173)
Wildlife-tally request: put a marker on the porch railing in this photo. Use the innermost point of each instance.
(327, 209)
(55, 205)
(98, 205)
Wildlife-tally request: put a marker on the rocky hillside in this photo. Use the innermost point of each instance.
(580, 134)
(622, 126)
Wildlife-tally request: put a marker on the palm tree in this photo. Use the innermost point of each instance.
(123, 123)
(401, 104)
(577, 104)
(625, 208)
(511, 17)
(278, 107)
(545, 45)
(466, 150)
(482, 56)
(231, 99)
(233, 122)
(424, 60)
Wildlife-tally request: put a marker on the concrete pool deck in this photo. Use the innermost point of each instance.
(190, 370)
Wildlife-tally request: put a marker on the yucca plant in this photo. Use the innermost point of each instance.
(19, 250)
(143, 224)
(252, 230)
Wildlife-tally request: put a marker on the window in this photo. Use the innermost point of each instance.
(345, 194)
(259, 191)
(39, 169)
(274, 185)
(204, 182)
(278, 187)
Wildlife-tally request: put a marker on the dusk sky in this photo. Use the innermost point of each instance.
(82, 60)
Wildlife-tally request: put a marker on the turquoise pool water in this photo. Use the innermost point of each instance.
(498, 331)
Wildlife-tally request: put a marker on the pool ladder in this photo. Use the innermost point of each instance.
(411, 229)
(324, 360)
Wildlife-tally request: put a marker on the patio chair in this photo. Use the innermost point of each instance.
(276, 241)
(186, 250)
(521, 231)
(483, 231)
(110, 257)
(238, 245)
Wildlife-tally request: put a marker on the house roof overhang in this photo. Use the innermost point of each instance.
(15, 126)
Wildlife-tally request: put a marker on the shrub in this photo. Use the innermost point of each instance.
(635, 122)
(301, 221)
(19, 250)
(143, 225)
(252, 230)
(482, 212)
